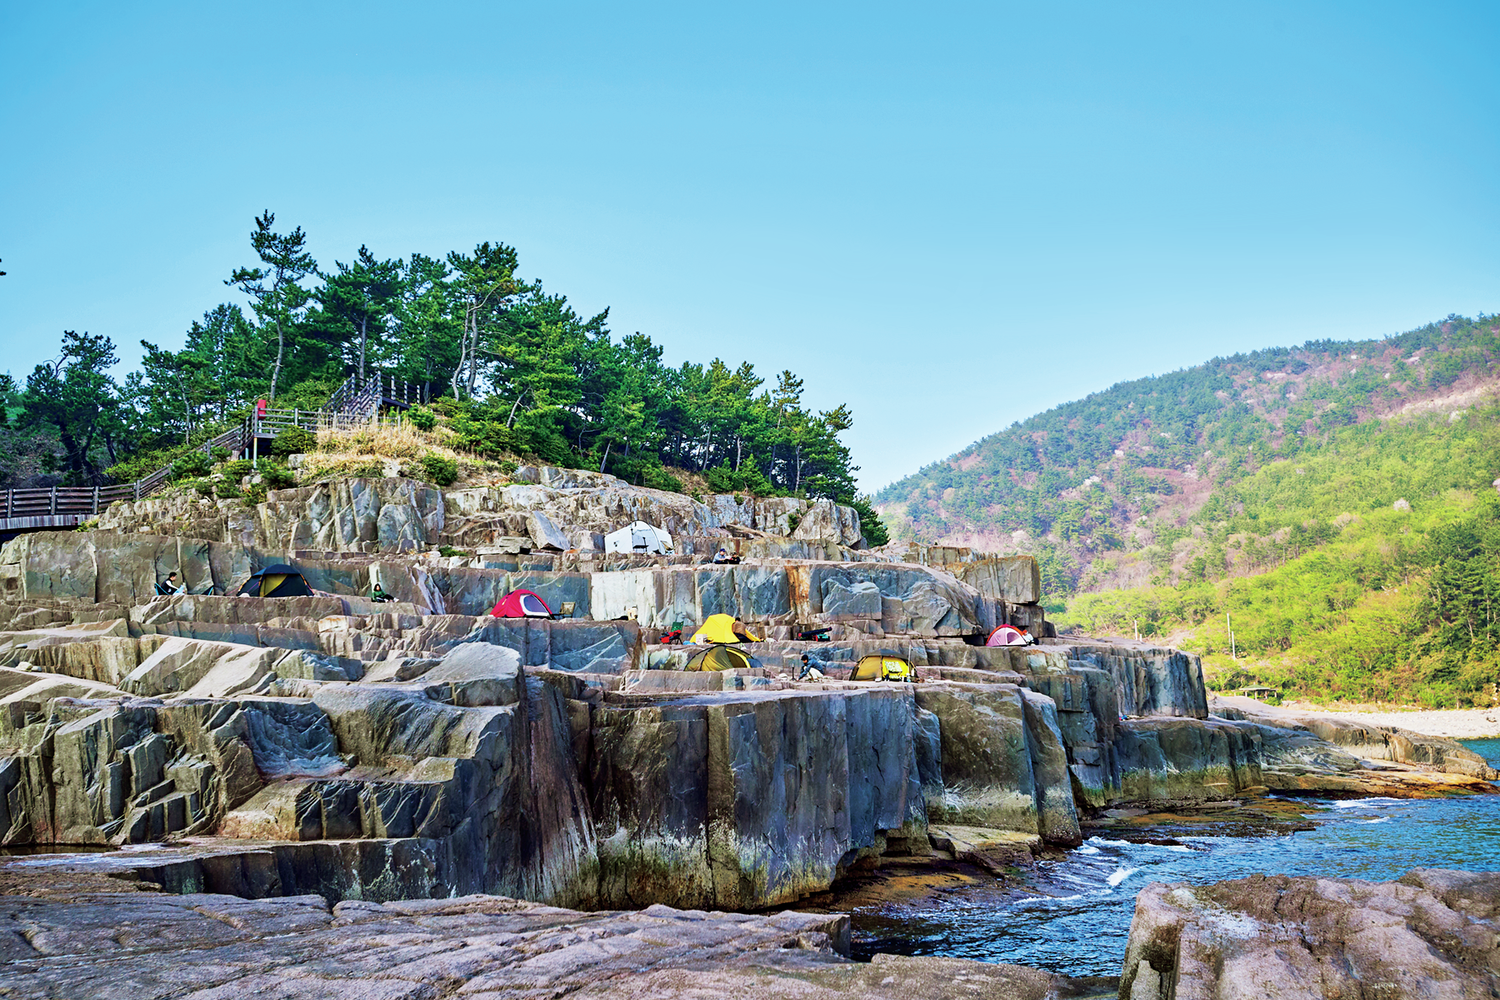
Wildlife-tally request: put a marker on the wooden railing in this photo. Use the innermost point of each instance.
(351, 405)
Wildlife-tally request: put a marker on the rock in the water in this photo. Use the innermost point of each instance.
(1430, 934)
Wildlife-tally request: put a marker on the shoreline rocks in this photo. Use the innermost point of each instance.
(74, 939)
(1431, 933)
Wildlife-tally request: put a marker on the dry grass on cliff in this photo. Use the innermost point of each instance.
(385, 440)
(393, 448)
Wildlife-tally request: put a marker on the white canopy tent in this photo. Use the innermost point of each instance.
(639, 537)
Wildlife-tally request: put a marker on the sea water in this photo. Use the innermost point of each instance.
(1073, 915)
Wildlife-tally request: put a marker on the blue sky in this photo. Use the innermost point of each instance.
(949, 216)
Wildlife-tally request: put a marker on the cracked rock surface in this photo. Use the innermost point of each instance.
(1431, 934)
(148, 945)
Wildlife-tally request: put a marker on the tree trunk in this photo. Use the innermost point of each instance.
(280, 350)
(463, 352)
(510, 420)
(605, 459)
(364, 323)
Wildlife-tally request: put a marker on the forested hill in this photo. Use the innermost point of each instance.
(1141, 483)
(516, 371)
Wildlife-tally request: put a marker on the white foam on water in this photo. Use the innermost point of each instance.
(1048, 900)
(1120, 875)
(1086, 849)
(1380, 819)
(1363, 803)
(1110, 843)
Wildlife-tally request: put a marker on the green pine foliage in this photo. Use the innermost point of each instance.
(293, 441)
(440, 471)
(517, 372)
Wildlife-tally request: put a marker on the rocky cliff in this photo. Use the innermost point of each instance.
(423, 748)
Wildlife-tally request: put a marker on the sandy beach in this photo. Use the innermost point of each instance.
(1453, 723)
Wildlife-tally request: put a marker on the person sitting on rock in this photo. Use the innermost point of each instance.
(171, 585)
(722, 557)
(379, 596)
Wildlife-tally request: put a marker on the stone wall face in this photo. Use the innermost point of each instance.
(763, 799)
(559, 509)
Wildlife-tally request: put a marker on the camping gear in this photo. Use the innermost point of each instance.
(521, 604)
(722, 657)
(881, 667)
(278, 580)
(640, 538)
(814, 634)
(722, 628)
(1008, 635)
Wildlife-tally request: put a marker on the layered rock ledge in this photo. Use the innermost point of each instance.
(420, 749)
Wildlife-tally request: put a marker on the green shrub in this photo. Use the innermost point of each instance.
(507, 467)
(190, 466)
(228, 488)
(236, 470)
(219, 453)
(720, 479)
(792, 520)
(277, 477)
(448, 551)
(294, 441)
(440, 471)
(483, 436)
(142, 465)
(657, 478)
(746, 479)
(422, 418)
(256, 494)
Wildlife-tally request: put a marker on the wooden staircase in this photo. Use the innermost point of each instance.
(353, 404)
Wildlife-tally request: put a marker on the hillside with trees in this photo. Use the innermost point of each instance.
(1334, 501)
(513, 369)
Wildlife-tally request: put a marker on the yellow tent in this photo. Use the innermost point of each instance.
(721, 657)
(722, 628)
(881, 668)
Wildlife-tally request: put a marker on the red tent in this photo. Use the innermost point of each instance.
(521, 604)
(1005, 635)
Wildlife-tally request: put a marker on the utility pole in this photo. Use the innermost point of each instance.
(1229, 627)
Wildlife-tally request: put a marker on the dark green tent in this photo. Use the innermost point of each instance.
(279, 580)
